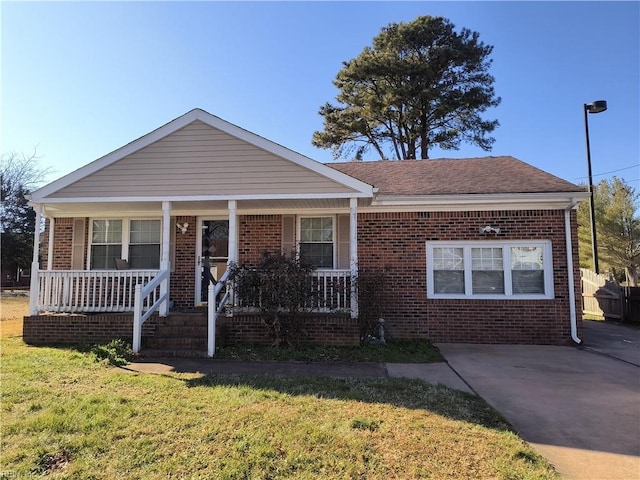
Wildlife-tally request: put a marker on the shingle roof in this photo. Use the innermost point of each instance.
(455, 176)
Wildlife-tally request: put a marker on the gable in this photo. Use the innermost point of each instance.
(200, 160)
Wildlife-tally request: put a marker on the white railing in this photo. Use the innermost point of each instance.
(148, 298)
(332, 290)
(77, 291)
(214, 308)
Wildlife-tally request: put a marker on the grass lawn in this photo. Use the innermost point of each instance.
(68, 416)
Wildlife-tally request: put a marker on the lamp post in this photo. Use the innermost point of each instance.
(593, 107)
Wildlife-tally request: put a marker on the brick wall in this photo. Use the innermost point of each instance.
(395, 243)
(183, 270)
(63, 237)
(333, 330)
(257, 234)
(63, 240)
(82, 329)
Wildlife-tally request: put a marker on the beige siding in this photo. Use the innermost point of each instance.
(200, 160)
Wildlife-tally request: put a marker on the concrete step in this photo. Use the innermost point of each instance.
(179, 343)
(172, 353)
(186, 319)
(181, 331)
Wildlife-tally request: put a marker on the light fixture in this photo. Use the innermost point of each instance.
(593, 107)
(490, 229)
(182, 227)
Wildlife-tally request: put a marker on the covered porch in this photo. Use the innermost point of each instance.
(182, 280)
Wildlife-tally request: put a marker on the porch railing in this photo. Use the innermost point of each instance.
(75, 291)
(148, 298)
(332, 290)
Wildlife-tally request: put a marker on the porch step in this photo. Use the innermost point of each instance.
(182, 335)
(172, 353)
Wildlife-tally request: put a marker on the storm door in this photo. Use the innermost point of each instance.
(213, 254)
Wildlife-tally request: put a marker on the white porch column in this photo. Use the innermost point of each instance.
(164, 258)
(233, 232)
(52, 228)
(353, 254)
(33, 291)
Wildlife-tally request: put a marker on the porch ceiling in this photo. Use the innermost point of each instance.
(90, 209)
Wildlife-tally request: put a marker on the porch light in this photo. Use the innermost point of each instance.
(594, 107)
(182, 227)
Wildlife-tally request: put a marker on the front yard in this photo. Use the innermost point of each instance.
(66, 415)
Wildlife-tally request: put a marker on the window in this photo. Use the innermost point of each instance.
(144, 244)
(106, 244)
(137, 241)
(517, 269)
(316, 241)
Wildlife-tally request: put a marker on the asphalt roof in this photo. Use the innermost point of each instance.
(455, 176)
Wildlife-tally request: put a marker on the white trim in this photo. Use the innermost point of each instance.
(493, 201)
(232, 253)
(353, 254)
(52, 229)
(215, 122)
(497, 243)
(572, 292)
(35, 266)
(197, 294)
(206, 198)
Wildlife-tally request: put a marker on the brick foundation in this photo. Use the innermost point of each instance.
(333, 330)
(71, 329)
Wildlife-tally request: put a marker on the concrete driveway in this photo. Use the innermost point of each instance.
(578, 408)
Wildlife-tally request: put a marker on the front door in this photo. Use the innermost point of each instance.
(213, 255)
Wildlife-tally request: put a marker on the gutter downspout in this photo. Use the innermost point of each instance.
(572, 293)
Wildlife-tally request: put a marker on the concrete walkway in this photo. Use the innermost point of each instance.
(435, 373)
(577, 408)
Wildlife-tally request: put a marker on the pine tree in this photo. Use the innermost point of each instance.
(421, 84)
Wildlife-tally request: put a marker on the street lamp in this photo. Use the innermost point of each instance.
(593, 107)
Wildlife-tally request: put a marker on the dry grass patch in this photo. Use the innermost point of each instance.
(12, 310)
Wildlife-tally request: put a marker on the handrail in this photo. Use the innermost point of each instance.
(142, 293)
(213, 310)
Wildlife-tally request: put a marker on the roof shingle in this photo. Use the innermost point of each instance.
(455, 176)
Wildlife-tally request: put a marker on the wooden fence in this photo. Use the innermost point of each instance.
(605, 298)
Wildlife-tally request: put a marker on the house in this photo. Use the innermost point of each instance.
(480, 250)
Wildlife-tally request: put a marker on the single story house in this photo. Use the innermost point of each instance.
(479, 250)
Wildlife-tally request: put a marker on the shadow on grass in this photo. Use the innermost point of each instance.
(399, 392)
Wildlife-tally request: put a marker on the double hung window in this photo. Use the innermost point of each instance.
(317, 241)
(137, 241)
(517, 269)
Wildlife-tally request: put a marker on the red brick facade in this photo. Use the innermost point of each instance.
(81, 329)
(395, 243)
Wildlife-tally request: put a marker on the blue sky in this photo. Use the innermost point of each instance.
(79, 80)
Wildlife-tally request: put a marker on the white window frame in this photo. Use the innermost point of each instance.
(506, 255)
(333, 241)
(126, 231)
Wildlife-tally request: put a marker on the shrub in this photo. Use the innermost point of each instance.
(116, 352)
(281, 288)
